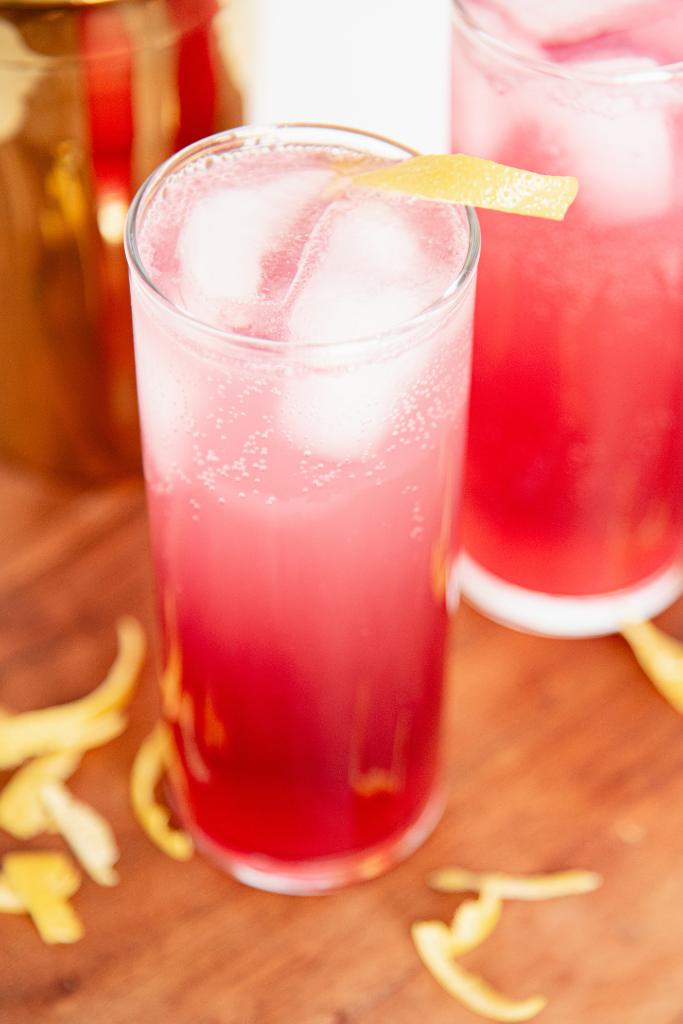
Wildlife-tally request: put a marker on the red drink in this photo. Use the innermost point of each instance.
(575, 476)
(301, 494)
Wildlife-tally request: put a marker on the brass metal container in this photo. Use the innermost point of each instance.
(92, 97)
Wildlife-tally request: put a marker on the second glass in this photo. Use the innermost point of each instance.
(574, 499)
(303, 362)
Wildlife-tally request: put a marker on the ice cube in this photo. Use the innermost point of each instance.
(229, 233)
(345, 412)
(554, 22)
(338, 415)
(222, 245)
(366, 271)
(617, 142)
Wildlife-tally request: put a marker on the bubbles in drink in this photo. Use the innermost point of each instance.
(364, 271)
(279, 249)
(303, 492)
(575, 426)
(367, 269)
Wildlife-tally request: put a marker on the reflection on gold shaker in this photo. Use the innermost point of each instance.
(92, 97)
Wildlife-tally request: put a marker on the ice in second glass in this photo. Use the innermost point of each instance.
(574, 508)
(303, 361)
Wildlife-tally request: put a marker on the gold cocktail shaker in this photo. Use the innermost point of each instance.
(92, 97)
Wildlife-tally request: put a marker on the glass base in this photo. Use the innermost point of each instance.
(325, 874)
(548, 615)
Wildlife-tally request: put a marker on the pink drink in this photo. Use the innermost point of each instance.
(302, 494)
(575, 474)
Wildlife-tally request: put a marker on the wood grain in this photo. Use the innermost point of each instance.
(559, 754)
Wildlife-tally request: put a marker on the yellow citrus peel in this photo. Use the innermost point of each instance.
(22, 813)
(458, 178)
(35, 799)
(9, 901)
(214, 732)
(117, 688)
(433, 941)
(170, 682)
(21, 740)
(172, 674)
(148, 768)
(374, 781)
(43, 882)
(661, 658)
(85, 830)
(196, 765)
(516, 887)
(84, 723)
(474, 921)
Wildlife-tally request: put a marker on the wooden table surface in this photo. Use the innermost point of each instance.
(560, 754)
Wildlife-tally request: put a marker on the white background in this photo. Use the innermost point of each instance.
(381, 65)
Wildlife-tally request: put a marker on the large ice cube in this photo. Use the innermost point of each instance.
(229, 233)
(617, 141)
(366, 271)
(338, 414)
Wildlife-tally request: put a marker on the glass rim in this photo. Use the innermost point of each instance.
(451, 298)
(659, 74)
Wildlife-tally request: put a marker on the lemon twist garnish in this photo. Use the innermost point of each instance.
(81, 724)
(473, 181)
